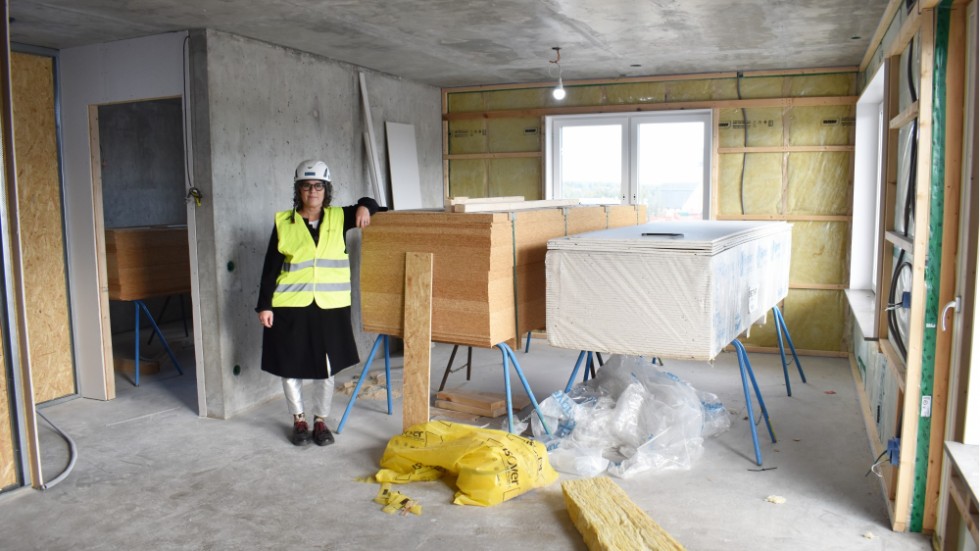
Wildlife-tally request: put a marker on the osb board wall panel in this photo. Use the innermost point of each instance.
(39, 204)
(8, 463)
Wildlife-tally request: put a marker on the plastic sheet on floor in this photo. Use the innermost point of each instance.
(631, 418)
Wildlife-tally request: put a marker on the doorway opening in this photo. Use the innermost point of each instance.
(141, 220)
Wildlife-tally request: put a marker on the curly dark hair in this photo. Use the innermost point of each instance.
(327, 194)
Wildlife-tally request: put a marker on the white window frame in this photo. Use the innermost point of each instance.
(629, 122)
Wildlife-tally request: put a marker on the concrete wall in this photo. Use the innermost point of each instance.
(257, 110)
(142, 146)
(127, 70)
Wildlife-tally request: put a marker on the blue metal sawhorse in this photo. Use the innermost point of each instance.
(745, 367)
(508, 356)
(360, 380)
(140, 305)
(781, 332)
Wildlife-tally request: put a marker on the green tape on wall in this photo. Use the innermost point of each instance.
(932, 270)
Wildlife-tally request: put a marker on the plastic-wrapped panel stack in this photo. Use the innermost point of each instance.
(681, 290)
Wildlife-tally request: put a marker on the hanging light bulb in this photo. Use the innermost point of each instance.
(559, 92)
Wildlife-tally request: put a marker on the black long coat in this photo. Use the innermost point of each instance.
(301, 339)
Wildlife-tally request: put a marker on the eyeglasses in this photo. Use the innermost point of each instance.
(307, 186)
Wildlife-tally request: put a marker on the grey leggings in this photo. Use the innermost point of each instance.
(322, 396)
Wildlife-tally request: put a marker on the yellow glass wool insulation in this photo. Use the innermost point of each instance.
(835, 84)
(762, 87)
(525, 98)
(468, 136)
(510, 135)
(516, 177)
(578, 96)
(635, 92)
(468, 178)
(465, 101)
(820, 253)
(757, 191)
(819, 183)
(609, 520)
(764, 127)
(827, 125)
(813, 318)
(695, 90)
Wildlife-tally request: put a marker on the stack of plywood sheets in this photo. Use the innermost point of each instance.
(682, 296)
(477, 257)
(143, 262)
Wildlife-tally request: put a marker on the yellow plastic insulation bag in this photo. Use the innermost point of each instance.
(491, 466)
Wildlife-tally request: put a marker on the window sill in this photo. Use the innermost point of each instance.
(862, 303)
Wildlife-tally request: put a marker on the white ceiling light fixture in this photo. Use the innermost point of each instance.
(559, 92)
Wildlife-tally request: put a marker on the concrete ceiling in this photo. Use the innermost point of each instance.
(469, 42)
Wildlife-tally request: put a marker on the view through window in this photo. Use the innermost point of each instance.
(659, 159)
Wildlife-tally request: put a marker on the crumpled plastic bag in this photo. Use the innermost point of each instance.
(630, 419)
(491, 466)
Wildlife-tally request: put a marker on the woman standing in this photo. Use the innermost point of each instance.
(305, 297)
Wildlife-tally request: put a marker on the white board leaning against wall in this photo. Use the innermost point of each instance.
(403, 162)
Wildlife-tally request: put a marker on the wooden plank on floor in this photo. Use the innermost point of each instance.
(609, 520)
(418, 336)
(476, 399)
(480, 410)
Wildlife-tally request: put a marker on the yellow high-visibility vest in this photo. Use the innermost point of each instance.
(312, 271)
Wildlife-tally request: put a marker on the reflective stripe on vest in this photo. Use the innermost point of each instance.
(312, 272)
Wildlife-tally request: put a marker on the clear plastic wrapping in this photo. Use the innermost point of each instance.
(630, 419)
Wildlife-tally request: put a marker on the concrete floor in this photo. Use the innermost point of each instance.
(151, 474)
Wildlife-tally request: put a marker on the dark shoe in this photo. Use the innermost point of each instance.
(321, 434)
(301, 433)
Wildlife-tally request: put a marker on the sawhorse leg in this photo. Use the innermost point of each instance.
(183, 315)
(140, 305)
(360, 380)
(744, 367)
(508, 354)
(589, 368)
(782, 330)
(449, 366)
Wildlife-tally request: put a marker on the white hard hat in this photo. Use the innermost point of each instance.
(312, 170)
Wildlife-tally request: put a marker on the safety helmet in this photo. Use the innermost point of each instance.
(312, 170)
